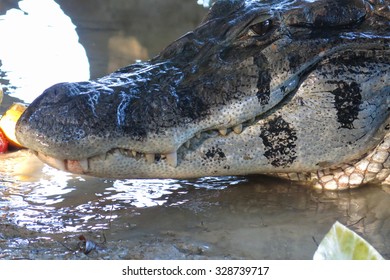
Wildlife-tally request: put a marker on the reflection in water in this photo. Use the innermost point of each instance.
(243, 217)
(39, 47)
(148, 193)
(143, 193)
(60, 202)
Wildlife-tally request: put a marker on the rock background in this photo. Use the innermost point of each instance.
(117, 32)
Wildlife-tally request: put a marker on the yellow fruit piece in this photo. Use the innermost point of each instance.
(8, 122)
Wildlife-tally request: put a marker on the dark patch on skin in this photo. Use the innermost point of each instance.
(264, 80)
(347, 100)
(215, 153)
(294, 61)
(279, 140)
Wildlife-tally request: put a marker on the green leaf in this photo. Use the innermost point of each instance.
(341, 243)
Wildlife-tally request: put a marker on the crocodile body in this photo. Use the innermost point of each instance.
(298, 89)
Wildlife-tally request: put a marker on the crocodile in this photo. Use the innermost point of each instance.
(289, 88)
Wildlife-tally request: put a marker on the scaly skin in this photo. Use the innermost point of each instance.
(296, 89)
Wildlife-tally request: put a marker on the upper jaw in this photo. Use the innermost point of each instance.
(122, 163)
(81, 164)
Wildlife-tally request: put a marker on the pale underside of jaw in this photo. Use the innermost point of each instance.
(82, 166)
(373, 167)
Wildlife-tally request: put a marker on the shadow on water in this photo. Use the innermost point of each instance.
(43, 211)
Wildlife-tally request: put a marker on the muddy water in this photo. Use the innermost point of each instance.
(43, 212)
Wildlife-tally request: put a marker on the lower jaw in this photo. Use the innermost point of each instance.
(73, 166)
(83, 166)
(373, 168)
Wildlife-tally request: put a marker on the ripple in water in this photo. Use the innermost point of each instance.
(60, 202)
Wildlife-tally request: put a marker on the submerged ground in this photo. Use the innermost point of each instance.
(53, 215)
(47, 214)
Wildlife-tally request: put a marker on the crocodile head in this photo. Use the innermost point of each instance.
(295, 88)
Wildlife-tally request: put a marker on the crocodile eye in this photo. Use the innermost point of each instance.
(261, 28)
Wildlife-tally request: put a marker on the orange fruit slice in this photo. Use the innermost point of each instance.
(8, 122)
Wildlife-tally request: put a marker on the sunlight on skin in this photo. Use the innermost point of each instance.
(205, 3)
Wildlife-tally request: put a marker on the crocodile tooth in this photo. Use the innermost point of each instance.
(150, 158)
(223, 131)
(59, 163)
(84, 164)
(237, 129)
(54, 162)
(198, 134)
(172, 159)
(124, 152)
(134, 153)
(187, 144)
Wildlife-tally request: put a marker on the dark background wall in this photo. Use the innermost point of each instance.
(117, 32)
